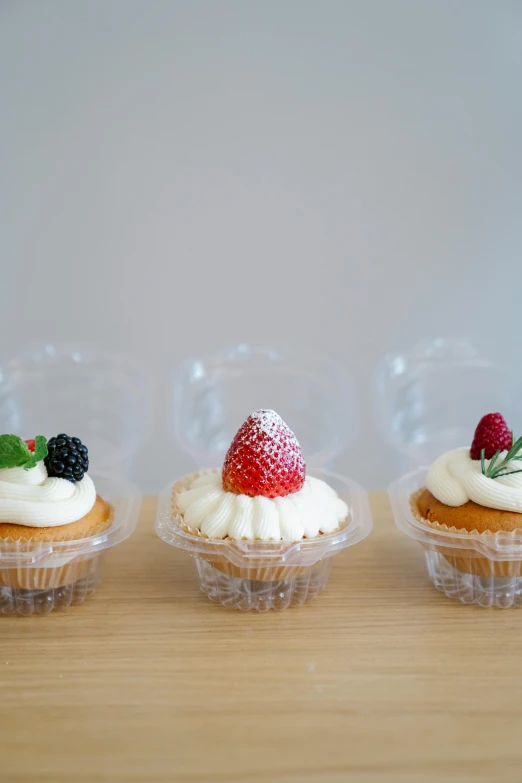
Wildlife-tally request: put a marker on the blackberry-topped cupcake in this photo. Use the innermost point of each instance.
(45, 492)
(262, 530)
(47, 499)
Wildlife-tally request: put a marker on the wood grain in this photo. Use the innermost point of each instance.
(380, 679)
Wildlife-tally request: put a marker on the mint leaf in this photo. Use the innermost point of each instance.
(40, 452)
(13, 452)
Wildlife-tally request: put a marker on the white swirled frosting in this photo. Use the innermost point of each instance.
(215, 513)
(454, 478)
(31, 498)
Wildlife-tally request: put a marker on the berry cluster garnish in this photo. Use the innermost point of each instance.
(264, 458)
(67, 458)
(492, 437)
(18, 453)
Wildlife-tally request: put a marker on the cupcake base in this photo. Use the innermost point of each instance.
(265, 591)
(474, 580)
(23, 578)
(53, 591)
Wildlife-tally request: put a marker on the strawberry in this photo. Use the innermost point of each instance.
(31, 444)
(264, 458)
(492, 435)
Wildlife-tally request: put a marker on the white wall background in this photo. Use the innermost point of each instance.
(341, 176)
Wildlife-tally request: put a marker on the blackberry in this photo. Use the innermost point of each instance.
(67, 458)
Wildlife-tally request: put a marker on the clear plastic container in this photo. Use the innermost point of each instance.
(37, 577)
(262, 575)
(430, 399)
(475, 568)
(215, 394)
(103, 398)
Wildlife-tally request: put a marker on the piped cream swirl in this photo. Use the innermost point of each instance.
(31, 498)
(454, 478)
(215, 513)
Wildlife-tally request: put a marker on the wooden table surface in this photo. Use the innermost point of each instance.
(381, 678)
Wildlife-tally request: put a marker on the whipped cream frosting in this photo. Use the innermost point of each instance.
(31, 498)
(454, 478)
(207, 507)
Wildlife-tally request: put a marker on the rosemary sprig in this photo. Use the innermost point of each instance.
(495, 469)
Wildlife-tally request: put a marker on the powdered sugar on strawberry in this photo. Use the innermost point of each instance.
(264, 459)
(267, 420)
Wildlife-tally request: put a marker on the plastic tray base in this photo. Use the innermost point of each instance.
(485, 591)
(248, 594)
(26, 602)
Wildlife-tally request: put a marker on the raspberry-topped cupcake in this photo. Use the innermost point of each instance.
(466, 510)
(260, 520)
(477, 489)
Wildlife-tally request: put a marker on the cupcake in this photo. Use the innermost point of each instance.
(261, 529)
(468, 515)
(47, 499)
(477, 489)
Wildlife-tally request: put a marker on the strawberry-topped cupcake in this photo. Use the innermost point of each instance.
(261, 529)
(48, 505)
(468, 515)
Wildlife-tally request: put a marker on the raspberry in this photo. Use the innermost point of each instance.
(31, 444)
(492, 435)
(264, 458)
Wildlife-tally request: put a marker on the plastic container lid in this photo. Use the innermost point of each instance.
(103, 398)
(430, 399)
(215, 394)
